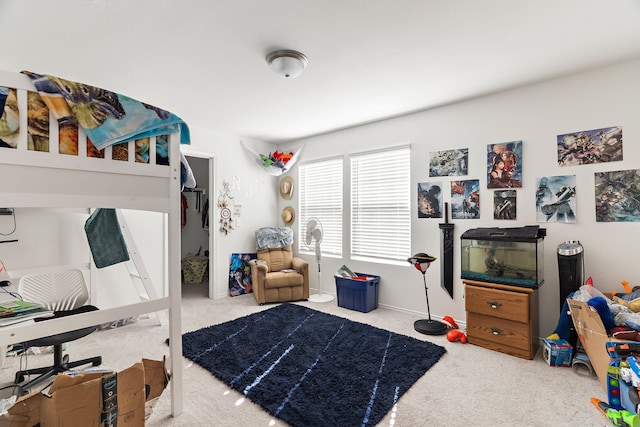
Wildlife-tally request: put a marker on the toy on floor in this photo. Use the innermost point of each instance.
(629, 295)
(602, 308)
(633, 305)
(456, 335)
(598, 303)
(563, 328)
(448, 320)
(582, 365)
(617, 417)
(623, 377)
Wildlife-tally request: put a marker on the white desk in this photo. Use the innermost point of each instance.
(8, 293)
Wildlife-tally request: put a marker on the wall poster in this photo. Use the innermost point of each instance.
(449, 162)
(504, 204)
(618, 196)
(556, 199)
(504, 165)
(590, 146)
(430, 200)
(465, 199)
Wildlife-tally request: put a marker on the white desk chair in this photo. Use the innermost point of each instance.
(64, 292)
(55, 290)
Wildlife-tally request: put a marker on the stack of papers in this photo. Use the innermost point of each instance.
(12, 312)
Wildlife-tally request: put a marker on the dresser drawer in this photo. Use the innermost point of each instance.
(497, 303)
(499, 331)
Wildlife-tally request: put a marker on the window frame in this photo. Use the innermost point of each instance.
(331, 215)
(390, 245)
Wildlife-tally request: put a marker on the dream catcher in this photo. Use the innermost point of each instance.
(226, 219)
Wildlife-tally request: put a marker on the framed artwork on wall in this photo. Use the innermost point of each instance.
(590, 146)
(504, 165)
(430, 200)
(449, 162)
(465, 199)
(504, 204)
(556, 199)
(617, 196)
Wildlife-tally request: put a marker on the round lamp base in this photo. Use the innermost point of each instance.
(430, 327)
(321, 298)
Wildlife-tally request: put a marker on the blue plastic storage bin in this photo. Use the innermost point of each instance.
(358, 295)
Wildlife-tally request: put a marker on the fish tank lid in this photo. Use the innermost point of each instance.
(520, 234)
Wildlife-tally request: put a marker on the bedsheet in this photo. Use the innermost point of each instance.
(108, 118)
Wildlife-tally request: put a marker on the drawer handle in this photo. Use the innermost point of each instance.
(494, 304)
(496, 331)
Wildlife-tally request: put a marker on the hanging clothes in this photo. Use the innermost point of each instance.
(205, 215)
(183, 210)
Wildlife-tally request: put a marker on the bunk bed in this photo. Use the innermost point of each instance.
(133, 174)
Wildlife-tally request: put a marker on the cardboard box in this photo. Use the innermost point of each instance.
(93, 399)
(557, 353)
(593, 337)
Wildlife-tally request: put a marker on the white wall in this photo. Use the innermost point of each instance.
(535, 115)
(54, 237)
(45, 238)
(252, 189)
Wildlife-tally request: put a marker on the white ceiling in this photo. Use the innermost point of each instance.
(204, 60)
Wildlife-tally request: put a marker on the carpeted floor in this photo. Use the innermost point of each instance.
(312, 369)
(469, 386)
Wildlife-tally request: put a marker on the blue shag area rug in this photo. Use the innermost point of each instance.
(310, 368)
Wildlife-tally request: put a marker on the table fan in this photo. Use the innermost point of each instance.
(313, 238)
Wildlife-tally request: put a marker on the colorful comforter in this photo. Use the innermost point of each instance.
(107, 117)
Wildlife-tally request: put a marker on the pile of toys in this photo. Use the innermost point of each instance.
(623, 381)
(277, 158)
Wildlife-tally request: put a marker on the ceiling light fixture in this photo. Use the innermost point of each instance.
(287, 63)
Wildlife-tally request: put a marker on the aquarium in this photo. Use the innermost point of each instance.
(511, 256)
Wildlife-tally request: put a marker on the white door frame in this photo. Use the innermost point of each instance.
(212, 236)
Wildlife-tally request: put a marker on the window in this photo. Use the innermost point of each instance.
(321, 198)
(381, 205)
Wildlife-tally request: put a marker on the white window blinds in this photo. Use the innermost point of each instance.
(321, 198)
(381, 205)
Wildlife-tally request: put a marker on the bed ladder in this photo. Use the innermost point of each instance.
(137, 270)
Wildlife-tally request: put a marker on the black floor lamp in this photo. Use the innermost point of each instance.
(421, 262)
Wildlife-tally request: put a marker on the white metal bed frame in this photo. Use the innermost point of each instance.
(39, 179)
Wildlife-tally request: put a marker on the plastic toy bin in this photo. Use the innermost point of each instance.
(358, 295)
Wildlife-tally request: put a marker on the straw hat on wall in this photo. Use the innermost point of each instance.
(288, 215)
(286, 187)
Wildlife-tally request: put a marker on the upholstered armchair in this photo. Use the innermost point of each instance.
(276, 275)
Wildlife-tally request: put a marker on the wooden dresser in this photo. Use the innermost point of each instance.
(502, 318)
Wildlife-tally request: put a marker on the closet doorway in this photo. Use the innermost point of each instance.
(197, 242)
